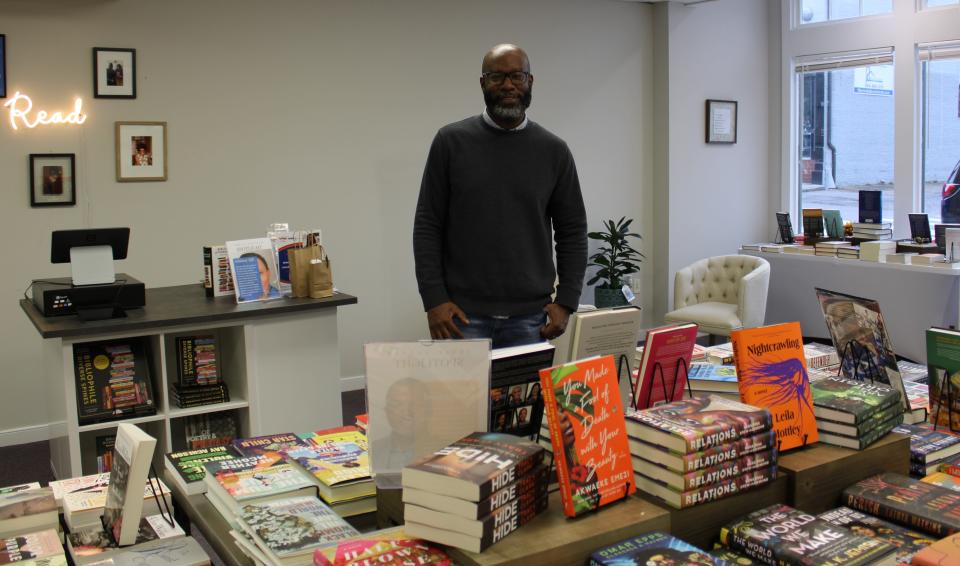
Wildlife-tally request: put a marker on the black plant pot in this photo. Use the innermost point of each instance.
(606, 297)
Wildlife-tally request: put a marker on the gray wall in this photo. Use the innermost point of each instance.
(320, 113)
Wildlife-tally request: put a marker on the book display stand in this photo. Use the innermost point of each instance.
(153, 480)
(946, 392)
(856, 354)
(668, 396)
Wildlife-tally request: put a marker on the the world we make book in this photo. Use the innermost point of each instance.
(588, 433)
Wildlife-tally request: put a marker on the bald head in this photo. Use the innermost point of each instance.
(504, 50)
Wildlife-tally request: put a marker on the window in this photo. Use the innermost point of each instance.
(940, 83)
(935, 3)
(814, 11)
(845, 128)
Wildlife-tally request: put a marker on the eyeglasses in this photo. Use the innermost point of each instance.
(517, 77)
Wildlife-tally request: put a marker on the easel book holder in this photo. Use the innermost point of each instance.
(158, 496)
(668, 396)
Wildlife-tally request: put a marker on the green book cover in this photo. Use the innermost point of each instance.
(860, 399)
(943, 373)
(189, 463)
(833, 223)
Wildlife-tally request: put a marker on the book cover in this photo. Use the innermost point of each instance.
(906, 541)
(92, 482)
(197, 360)
(912, 503)
(784, 228)
(288, 527)
(943, 480)
(661, 378)
(334, 456)
(391, 546)
(780, 534)
(928, 445)
(588, 434)
(16, 504)
(689, 462)
(253, 265)
(270, 446)
(217, 279)
(870, 207)
(945, 552)
(701, 371)
(516, 401)
(812, 224)
(113, 380)
(30, 546)
(833, 224)
(707, 493)
(652, 548)
(131, 465)
(772, 372)
(859, 334)
(188, 464)
(943, 375)
(853, 402)
(697, 423)
(475, 466)
(254, 483)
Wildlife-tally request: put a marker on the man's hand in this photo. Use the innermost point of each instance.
(557, 317)
(440, 319)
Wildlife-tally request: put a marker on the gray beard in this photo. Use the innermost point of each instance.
(507, 113)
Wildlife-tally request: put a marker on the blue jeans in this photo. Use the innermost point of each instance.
(516, 330)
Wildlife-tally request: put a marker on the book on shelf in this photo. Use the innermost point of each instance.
(104, 447)
(928, 447)
(481, 533)
(870, 207)
(906, 501)
(784, 227)
(606, 332)
(712, 378)
(289, 530)
(391, 546)
(338, 458)
(701, 478)
(667, 355)
(943, 377)
(780, 534)
(186, 467)
(217, 278)
(197, 359)
(587, 430)
(698, 423)
(113, 380)
(234, 483)
(253, 265)
(833, 224)
(650, 548)
(85, 507)
(684, 463)
(516, 401)
(907, 542)
(31, 548)
(131, 466)
(859, 333)
(943, 480)
(93, 544)
(772, 373)
(812, 224)
(210, 430)
(27, 510)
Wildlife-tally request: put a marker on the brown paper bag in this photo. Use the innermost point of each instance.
(321, 275)
(300, 269)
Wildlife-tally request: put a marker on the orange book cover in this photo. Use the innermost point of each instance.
(772, 372)
(588, 433)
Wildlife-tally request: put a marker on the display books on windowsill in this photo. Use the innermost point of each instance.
(27, 510)
(113, 380)
(253, 265)
(288, 531)
(186, 467)
(93, 544)
(651, 548)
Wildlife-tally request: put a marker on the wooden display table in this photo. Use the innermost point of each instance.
(700, 525)
(550, 538)
(819, 473)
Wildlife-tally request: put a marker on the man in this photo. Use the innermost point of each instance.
(492, 188)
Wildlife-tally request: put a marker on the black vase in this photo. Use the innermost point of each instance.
(608, 297)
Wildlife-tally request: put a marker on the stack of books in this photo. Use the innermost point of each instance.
(879, 231)
(362, 421)
(186, 468)
(701, 449)
(908, 542)
(712, 378)
(848, 252)
(27, 508)
(84, 506)
(854, 414)
(828, 247)
(800, 249)
(876, 250)
(199, 381)
(772, 248)
(906, 501)
(476, 491)
(928, 259)
(721, 354)
(928, 447)
(903, 258)
(780, 534)
(93, 544)
(34, 549)
(820, 355)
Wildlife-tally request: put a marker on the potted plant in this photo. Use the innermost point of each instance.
(614, 259)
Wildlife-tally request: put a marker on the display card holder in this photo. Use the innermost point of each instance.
(158, 496)
(621, 362)
(668, 396)
(856, 354)
(945, 392)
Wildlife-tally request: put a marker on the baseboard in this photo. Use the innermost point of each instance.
(24, 435)
(353, 383)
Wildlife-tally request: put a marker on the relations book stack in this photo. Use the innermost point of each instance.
(85, 498)
(876, 250)
(854, 414)
(652, 548)
(92, 544)
(199, 381)
(928, 447)
(828, 247)
(391, 546)
(27, 510)
(38, 548)
(286, 532)
(908, 502)
(907, 541)
(339, 460)
(113, 381)
(475, 491)
(780, 534)
(187, 467)
(701, 449)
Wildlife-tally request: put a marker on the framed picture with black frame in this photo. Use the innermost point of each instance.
(3, 66)
(53, 179)
(114, 72)
(721, 121)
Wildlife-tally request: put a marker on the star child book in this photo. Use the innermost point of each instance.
(588, 434)
(772, 370)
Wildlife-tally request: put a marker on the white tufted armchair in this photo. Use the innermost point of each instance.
(721, 293)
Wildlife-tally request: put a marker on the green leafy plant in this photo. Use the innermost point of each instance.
(616, 257)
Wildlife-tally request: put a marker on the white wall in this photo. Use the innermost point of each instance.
(718, 194)
(317, 113)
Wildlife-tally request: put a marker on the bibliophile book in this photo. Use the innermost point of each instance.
(928, 447)
(698, 423)
(294, 527)
(651, 548)
(217, 279)
(943, 376)
(907, 542)
(393, 546)
(113, 380)
(588, 434)
(772, 372)
(859, 334)
(871, 207)
(197, 359)
(706, 476)
(707, 493)
(852, 402)
(945, 552)
(667, 353)
(30, 548)
(338, 458)
(516, 401)
(906, 501)
(253, 265)
(131, 465)
(780, 534)
(186, 467)
(683, 463)
(475, 466)
(526, 489)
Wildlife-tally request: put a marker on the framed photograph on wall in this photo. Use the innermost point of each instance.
(3, 66)
(114, 73)
(141, 151)
(721, 121)
(53, 179)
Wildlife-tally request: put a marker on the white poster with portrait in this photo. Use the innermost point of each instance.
(253, 266)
